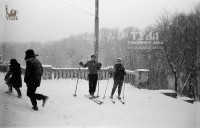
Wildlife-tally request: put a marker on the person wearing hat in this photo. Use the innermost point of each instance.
(93, 67)
(32, 78)
(13, 77)
(118, 76)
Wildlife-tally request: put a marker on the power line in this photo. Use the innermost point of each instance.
(80, 9)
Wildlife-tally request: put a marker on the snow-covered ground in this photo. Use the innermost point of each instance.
(143, 108)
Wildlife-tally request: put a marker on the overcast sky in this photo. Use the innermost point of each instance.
(48, 20)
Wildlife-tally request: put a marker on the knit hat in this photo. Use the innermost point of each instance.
(13, 62)
(119, 59)
(93, 56)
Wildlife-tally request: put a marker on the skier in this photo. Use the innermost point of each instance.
(32, 78)
(118, 76)
(13, 77)
(93, 67)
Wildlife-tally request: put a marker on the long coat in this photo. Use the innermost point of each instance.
(33, 73)
(14, 76)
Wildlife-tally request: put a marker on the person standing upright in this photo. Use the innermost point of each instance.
(93, 67)
(32, 78)
(118, 76)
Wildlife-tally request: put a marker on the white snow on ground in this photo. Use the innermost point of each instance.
(183, 98)
(165, 91)
(143, 108)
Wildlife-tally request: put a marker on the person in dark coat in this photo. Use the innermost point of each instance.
(32, 78)
(93, 67)
(118, 76)
(13, 77)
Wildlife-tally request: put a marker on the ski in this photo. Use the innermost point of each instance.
(122, 101)
(113, 101)
(94, 99)
(97, 98)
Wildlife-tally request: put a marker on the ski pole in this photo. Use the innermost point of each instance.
(77, 82)
(98, 90)
(123, 90)
(98, 85)
(106, 89)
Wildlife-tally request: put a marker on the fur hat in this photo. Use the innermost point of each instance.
(30, 53)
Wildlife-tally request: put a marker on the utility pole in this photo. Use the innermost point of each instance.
(3, 54)
(96, 30)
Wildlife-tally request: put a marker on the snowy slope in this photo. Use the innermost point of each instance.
(143, 108)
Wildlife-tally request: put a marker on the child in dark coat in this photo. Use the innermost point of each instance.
(118, 76)
(13, 77)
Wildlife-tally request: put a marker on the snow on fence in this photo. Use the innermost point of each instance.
(82, 73)
(50, 72)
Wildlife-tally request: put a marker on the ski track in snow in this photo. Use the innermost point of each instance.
(143, 108)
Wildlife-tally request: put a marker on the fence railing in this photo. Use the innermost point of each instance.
(50, 72)
(82, 73)
(3, 68)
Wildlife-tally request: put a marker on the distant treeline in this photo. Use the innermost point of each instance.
(179, 33)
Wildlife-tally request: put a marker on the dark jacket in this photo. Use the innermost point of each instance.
(34, 72)
(93, 66)
(119, 72)
(14, 76)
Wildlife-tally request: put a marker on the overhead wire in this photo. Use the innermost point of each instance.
(80, 9)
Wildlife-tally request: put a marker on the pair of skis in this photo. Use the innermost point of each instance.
(121, 100)
(95, 99)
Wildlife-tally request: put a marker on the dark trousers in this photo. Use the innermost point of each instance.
(92, 83)
(119, 84)
(10, 86)
(34, 96)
